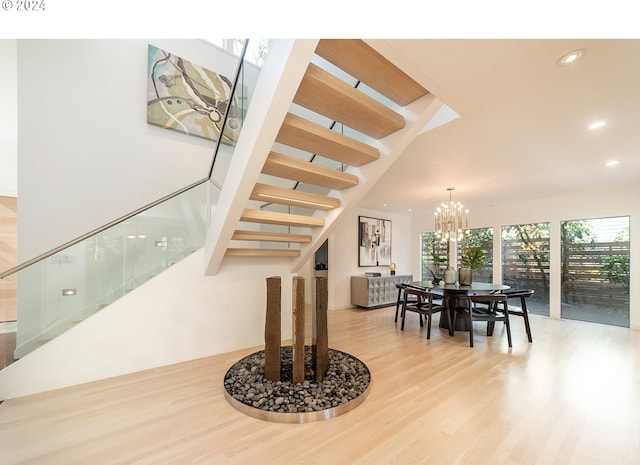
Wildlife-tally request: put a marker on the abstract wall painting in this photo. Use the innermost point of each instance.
(186, 97)
(374, 241)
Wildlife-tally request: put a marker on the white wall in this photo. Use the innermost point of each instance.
(343, 254)
(86, 155)
(179, 315)
(8, 120)
(580, 205)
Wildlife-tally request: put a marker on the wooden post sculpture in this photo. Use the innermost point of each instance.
(298, 329)
(272, 336)
(320, 329)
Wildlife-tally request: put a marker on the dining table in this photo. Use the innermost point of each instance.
(453, 293)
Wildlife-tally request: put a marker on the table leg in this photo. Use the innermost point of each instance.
(451, 301)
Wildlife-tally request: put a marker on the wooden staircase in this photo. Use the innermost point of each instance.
(293, 192)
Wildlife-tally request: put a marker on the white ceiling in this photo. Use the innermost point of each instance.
(522, 131)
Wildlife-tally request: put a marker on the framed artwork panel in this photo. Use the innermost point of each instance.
(374, 241)
(186, 97)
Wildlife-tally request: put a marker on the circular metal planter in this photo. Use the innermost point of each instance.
(345, 386)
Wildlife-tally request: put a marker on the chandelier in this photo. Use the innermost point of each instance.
(451, 219)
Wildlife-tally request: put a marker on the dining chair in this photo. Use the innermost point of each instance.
(413, 299)
(400, 287)
(523, 295)
(426, 304)
(494, 308)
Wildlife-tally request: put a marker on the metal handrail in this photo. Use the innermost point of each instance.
(79, 239)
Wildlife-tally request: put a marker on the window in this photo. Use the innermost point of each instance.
(256, 50)
(595, 270)
(525, 262)
(482, 238)
(435, 254)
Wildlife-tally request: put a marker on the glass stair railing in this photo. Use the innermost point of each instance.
(57, 290)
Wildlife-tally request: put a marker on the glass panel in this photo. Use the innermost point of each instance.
(278, 228)
(374, 94)
(434, 256)
(8, 305)
(256, 51)
(66, 288)
(595, 270)
(221, 166)
(352, 133)
(334, 125)
(481, 238)
(244, 90)
(328, 163)
(525, 262)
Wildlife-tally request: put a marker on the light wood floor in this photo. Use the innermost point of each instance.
(571, 397)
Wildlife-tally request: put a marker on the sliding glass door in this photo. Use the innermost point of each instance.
(525, 262)
(595, 270)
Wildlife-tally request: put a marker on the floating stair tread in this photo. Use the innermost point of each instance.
(361, 61)
(303, 134)
(329, 96)
(296, 198)
(287, 167)
(241, 235)
(284, 219)
(238, 252)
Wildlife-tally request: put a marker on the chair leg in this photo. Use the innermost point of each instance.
(527, 326)
(526, 318)
(404, 312)
(470, 323)
(490, 326)
(506, 322)
(398, 305)
(428, 326)
(451, 326)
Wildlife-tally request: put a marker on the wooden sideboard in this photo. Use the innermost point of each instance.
(378, 291)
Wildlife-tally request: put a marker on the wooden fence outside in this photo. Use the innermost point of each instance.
(585, 283)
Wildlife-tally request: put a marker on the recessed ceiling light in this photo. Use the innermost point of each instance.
(611, 163)
(596, 124)
(571, 57)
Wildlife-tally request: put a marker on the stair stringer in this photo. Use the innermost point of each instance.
(417, 115)
(277, 84)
